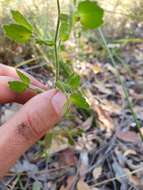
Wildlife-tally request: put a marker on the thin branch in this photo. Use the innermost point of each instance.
(118, 177)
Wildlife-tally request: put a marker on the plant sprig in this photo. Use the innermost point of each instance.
(90, 16)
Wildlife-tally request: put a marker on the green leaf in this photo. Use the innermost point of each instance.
(17, 86)
(63, 86)
(20, 19)
(17, 33)
(60, 86)
(65, 27)
(45, 42)
(78, 100)
(48, 140)
(65, 68)
(90, 14)
(70, 139)
(74, 81)
(23, 77)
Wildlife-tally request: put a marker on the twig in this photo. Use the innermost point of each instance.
(76, 177)
(119, 177)
(27, 61)
(15, 182)
(35, 66)
(39, 172)
(112, 175)
(107, 149)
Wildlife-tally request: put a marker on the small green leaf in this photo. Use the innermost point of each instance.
(23, 77)
(73, 81)
(65, 68)
(60, 86)
(20, 19)
(48, 140)
(90, 14)
(70, 139)
(45, 42)
(65, 27)
(17, 33)
(78, 100)
(17, 86)
(63, 86)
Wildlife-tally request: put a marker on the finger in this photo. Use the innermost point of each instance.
(8, 96)
(11, 72)
(36, 117)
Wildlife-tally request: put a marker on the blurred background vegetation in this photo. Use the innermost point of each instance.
(122, 23)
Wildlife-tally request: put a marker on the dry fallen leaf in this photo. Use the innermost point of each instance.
(87, 124)
(81, 185)
(128, 136)
(69, 183)
(111, 107)
(102, 88)
(58, 144)
(67, 157)
(104, 120)
(97, 172)
(141, 130)
(96, 68)
(130, 151)
(109, 67)
(133, 178)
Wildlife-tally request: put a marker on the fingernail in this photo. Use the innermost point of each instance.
(58, 102)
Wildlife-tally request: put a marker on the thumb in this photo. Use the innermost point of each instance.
(28, 125)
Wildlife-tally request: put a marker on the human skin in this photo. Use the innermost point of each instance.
(38, 114)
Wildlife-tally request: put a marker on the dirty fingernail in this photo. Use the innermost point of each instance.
(58, 102)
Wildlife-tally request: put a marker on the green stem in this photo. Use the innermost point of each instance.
(56, 42)
(122, 83)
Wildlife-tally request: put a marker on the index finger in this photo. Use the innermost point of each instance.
(11, 72)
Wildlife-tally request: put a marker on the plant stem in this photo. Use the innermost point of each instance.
(56, 42)
(121, 82)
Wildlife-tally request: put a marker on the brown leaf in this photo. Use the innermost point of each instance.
(130, 152)
(87, 124)
(104, 119)
(111, 107)
(69, 183)
(81, 185)
(67, 157)
(96, 68)
(58, 144)
(128, 136)
(141, 130)
(97, 172)
(133, 178)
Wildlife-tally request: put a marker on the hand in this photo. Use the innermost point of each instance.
(38, 114)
